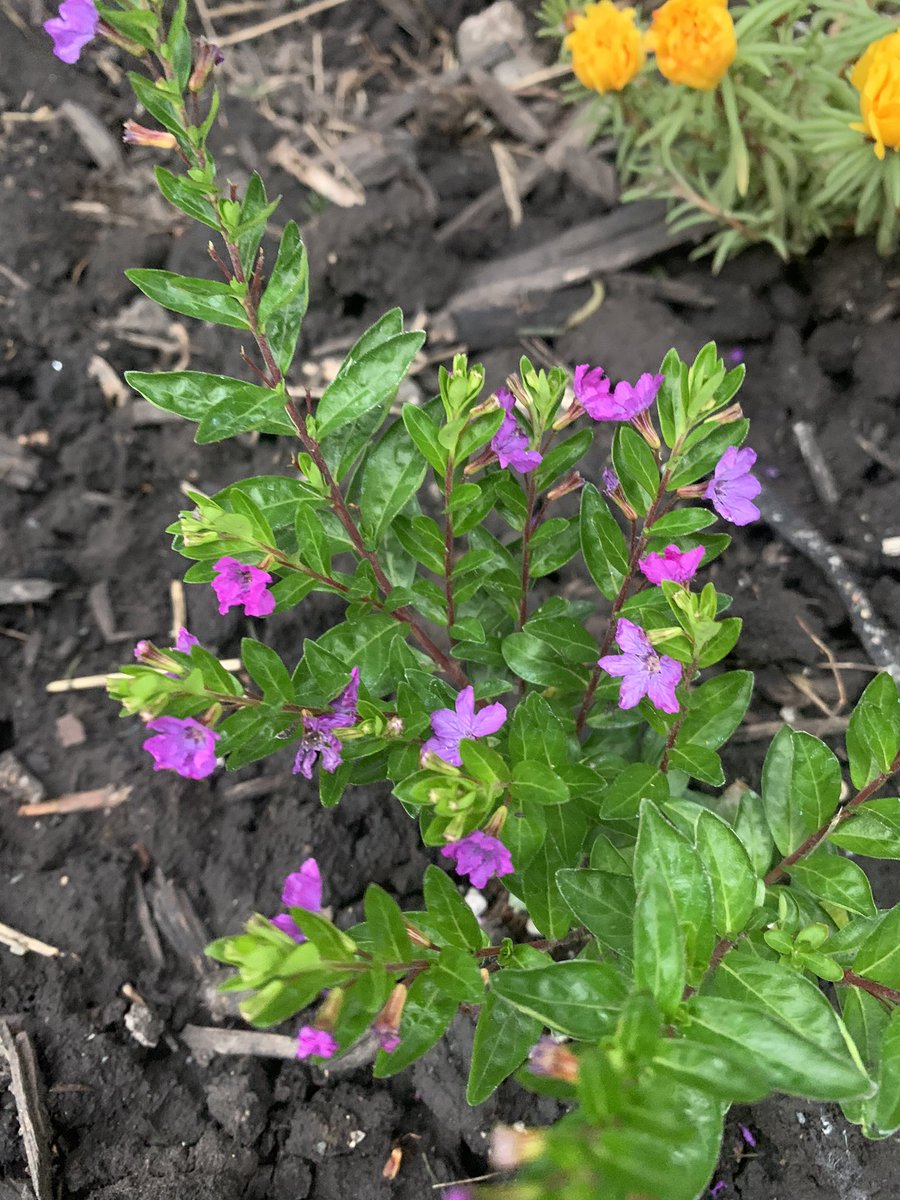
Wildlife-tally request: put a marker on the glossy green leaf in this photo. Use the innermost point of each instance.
(873, 830)
(267, 671)
(282, 306)
(886, 1106)
(736, 1078)
(637, 782)
(533, 660)
(427, 1013)
(195, 394)
(523, 833)
(873, 735)
(578, 998)
(536, 884)
(424, 432)
(878, 957)
(752, 828)
(536, 732)
(734, 881)
(709, 444)
(391, 475)
(604, 903)
(715, 710)
(602, 543)
(449, 913)
(205, 299)
(363, 1001)
(503, 1037)
(562, 458)
(698, 762)
(181, 193)
(836, 880)
(659, 955)
(801, 787)
(636, 468)
(681, 522)
(386, 927)
(533, 782)
(458, 976)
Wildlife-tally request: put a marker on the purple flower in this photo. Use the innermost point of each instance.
(241, 584)
(457, 1193)
(142, 649)
(593, 390)
(72, 30)
(509, 443)
(318, 732)
(610, 480)
(184, 640)
(388, 1039)
(643, 671)
(734, 356)
(302, 889)
(677, 565)
(452, 725)
(732, 487)
(479, 856)
(315, 1042)
(747, 1136)
(183, 745)
(718, 1188)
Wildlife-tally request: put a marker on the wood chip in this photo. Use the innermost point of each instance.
(72, 802)
(17, 781)
(69, 731)
(22, 943)
(115, 391)
(509, 183)
(18, 468)
(205, 1041)
(511, 113)
(178, 922)
(314, 176)
(93, 135)
(25, 1085)
(26, 591)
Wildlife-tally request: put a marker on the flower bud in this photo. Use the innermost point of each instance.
(571, 483)
(138, 135)
(733, 412)
(330, 1009)
(497, 821)
(551, 1058)
(393, 728)
(387, 1024)
(511, 1147)
(208, 56)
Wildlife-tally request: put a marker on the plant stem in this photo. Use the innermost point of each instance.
(448, 542)
(528, 531)
(879, 990)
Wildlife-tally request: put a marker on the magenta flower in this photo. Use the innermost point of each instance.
(479, 856)
(642, 670)
(312, 1042)
(677, 565)
(183, 745)
(452, 725)
(610, 481)
(509, 443)
(184, 640)
(457, 1193)
(388, 1039)
(302, 889)
(732, 487)
(142, 649)
(593, 390)
(318, 739)
(72, 30)
(241, 584)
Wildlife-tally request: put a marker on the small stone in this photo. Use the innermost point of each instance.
(500, 24)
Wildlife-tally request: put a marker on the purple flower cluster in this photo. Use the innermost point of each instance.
(479, 856)
(243, 585)
(509, 443)
(183, 745)
(732, 487)
(451, 725)
(642, 670)
(71, 31)
(318, 732)
(302, 889)
(677, 565)
(600, 400)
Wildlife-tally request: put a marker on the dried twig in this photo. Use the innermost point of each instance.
(509, 184)
(21, 943)
(72, 802)
(832, 664)
(816, 464)
(291, 18)
(81, 683)
(206, 1040)
(25, 1085)
(818, 726)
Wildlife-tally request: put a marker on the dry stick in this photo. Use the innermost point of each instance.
(25, 1085)
(291, 18)
(21, 943)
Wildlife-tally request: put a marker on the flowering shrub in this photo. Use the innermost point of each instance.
(775, 120)
(684, 931)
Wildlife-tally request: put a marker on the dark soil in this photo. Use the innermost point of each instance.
(820, 340)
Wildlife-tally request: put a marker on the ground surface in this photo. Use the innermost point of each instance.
(99, 485)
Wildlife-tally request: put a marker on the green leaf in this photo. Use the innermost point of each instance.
(602, 543)
(715, 710)
(533, 660)
(636, 468)
(698, 763)
(424, 432)
(267, 671)
(715, 1071)
(578, 998)
(731, 873)
(255, 212)
(878, 957)
(604, 903)
(365, 642)
(152, 94)
(449, 913)
(535, 783)
(192, 394)
(524, 833)
(562, 458)
(566, 637)
(536, 883)
(427, 1013)
(457, 974)
(637, 782)
(873, 830)
(367, 382)
(681, 522)
(873, 735)
(283, 303)
(664, 852)
(834, 879)
(184, 196)
(363, 1001)
(391, 475)
(536, 732)
(801, 787)
(386, 927)
(332, 945)
(659, 958)
(708, 443)
(752, 828)
(421, 537)
(886, 1106)
(206, 299)
(503, 1037)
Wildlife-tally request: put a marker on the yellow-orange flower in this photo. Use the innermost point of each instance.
(693, 41)
(877, 79)
(606, 47)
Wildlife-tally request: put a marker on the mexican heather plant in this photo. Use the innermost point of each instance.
(776, 121)
(697, 946)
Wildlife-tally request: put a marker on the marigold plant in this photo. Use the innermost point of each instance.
(564, 749)
(773, 122)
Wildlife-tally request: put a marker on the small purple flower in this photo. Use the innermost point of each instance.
(388, 1039)
(509, 443)
(479, 856)
(717, 1188)
(643, 671)
(142, 649)
(593, 390)
(302, 889)
(677, 565)
(735, 356)
(732, 487)
(183, 745)
(315, 1042)
(457, 1193)
(452, 725)
(242, 584)
(747, 1136)
(610, 480)
(184, 640)
(318, 732)
(71, 31)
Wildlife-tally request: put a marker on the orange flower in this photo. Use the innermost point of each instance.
(877, 79)
(606, 47)
(694, 41)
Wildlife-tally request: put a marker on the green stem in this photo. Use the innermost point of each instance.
(448, 542)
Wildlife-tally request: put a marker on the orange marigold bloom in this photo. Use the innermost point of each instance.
(877, 79)
(606, 47)
(694, 41)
